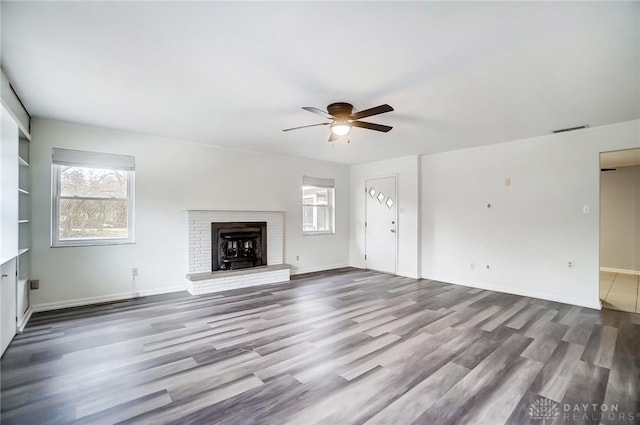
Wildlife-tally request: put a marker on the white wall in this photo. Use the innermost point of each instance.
(620, 218)
(534, 228)
(406, 170)
(171, 176)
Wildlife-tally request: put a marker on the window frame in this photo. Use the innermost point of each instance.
(56, 197)
(317, 183)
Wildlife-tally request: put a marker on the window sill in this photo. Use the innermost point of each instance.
(69, 244)
(318, 233)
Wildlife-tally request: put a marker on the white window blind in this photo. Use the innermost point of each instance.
(109, 161)
(318, 182)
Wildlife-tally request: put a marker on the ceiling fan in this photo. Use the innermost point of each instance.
(343, 118)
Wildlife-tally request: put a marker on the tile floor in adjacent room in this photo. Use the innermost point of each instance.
(620, 291)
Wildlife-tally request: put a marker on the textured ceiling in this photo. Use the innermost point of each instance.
(236, 73)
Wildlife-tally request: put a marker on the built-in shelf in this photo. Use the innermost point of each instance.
(24, 192)
(22, 162)
(22, 251)
(23, 221)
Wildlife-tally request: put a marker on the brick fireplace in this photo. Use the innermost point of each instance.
(202, 277)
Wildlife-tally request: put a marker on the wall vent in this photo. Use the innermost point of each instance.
(562, 130)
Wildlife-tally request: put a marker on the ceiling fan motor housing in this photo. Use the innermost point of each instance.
(340, 110)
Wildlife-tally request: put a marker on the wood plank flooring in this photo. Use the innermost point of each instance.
(341, 347)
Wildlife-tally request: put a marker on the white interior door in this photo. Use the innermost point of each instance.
(381, 224)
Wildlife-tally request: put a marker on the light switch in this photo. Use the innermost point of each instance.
(586, 209)
(507, 181)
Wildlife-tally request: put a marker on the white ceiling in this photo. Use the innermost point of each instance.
(236, 73)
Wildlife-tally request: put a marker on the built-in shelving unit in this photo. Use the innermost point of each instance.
(15, 223)
(24, 225)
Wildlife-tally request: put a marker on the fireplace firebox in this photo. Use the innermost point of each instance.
(238, 245)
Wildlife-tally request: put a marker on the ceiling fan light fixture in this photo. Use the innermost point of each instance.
(340, 128)
(341, 118)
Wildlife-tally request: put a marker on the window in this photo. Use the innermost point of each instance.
(93, 196)
(317, 206)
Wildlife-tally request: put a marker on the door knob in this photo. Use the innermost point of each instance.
(5, 275)
(393, 230)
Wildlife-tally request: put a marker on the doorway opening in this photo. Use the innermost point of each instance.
(620, 230)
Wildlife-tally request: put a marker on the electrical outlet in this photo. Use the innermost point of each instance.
(570, 264)
(134, 272)
(34, 284)
(473, 266)
(297, 258)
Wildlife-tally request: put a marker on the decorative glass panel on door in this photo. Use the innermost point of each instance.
(389, 202)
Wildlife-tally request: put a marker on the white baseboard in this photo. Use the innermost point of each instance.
(159, 291)
(402, 273)
(295, 270)
(25, 318)
(595, 304)
(407, 274)
(623, 271)
(57, 305)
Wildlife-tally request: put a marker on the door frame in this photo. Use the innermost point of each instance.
(366, 194)
(600, 152)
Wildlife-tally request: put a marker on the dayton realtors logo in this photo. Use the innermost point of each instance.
(546, 410)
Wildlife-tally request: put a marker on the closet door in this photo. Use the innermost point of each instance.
(7, 303)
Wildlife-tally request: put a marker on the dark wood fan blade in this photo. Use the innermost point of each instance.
(371, 111)
(305, 126)
(371, 126)
(318, 111)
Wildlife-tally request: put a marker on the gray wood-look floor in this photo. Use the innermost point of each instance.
(342, 347)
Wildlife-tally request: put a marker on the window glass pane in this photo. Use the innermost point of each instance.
(316, 218)
(324, 219)
(315, 195)
(323, 198)
(93, 182)
(82, 219)
(308, 214)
